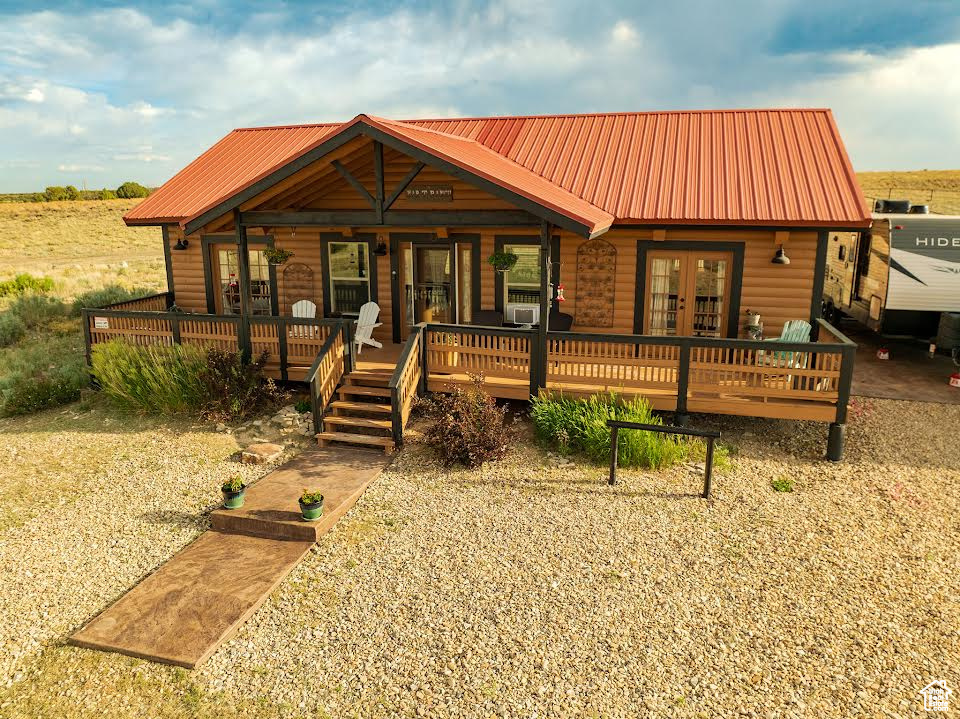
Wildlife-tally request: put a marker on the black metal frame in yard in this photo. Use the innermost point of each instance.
(711, 435)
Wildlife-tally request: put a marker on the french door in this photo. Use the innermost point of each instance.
(688, 293)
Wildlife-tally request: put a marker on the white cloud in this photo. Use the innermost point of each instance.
(624, 33)
(81, 168)
(141, 96)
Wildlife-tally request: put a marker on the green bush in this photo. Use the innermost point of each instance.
(580, 426)
(170, 380)
(108, 195)
(107, 296)
(47, 371)
(467, 427)
(36, 310)
(11, 328)
(235, 388)
(160, 379)
(56, 193)
(25, 282)
(129, 190)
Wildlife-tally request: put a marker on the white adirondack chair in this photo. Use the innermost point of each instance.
(305, 308)
(366, 324)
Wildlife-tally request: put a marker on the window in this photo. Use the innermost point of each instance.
(349, 276)
(522, 284)
(230, 282)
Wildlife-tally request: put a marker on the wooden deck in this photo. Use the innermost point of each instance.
(807, 380)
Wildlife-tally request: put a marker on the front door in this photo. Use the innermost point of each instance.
(432, 285)
(688, 293)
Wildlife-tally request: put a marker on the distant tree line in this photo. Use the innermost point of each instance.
(59, 193)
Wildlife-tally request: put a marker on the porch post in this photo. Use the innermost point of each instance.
(243, 267)
(540, 357)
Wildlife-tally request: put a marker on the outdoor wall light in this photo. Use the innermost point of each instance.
(181, 244)
(780, 258)
(381, 249)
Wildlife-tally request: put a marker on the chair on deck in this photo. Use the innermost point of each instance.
(304, 308)
(366, 324)
(793, 331)
(487, 318)
(560, 321)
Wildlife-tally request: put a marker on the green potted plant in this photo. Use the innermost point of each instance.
(233, 490)
(311, 505)
(502, 261)
(276, 255)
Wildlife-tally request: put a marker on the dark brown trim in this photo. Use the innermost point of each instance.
(378, 174)
(168, 262)
(819, 275)
(392, 218)
(307, 158)
(355, 183)
(402, 185)
(736, 279)
(540, 211)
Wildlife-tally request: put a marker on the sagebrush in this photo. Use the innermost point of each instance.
(467, 427)
(23, 283)
(111, 294)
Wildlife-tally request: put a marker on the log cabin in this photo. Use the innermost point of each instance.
(644, 245)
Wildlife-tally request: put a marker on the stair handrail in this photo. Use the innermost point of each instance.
(404, 384)
(326, 372)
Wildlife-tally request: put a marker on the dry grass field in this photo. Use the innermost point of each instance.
(82, 245)
(938, 188)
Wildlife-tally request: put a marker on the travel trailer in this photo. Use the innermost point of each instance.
(899, 278)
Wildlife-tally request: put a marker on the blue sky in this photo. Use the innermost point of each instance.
(98, 94)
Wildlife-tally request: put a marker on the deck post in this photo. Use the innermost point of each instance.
(87, 340)
(243, 267)
(424, 371)
(540, 356)
(282, 340)
(837, 433)
(683, 380)
(835, 439)
(175, 329)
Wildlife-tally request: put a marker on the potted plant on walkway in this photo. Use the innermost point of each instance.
(277, 255)
(311, 505)
(233, 490)
(502, 261)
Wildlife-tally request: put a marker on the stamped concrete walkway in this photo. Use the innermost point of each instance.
(182, 612)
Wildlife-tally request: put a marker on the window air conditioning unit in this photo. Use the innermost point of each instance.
(523, 314)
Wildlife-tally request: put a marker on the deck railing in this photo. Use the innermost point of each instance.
(507, 358)
(327, 370)
(292, 343)
(159, 302)
(407, 381)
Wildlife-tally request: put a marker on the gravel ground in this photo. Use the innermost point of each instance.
(527, 589)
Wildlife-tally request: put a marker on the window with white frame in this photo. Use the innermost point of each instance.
(349, 265)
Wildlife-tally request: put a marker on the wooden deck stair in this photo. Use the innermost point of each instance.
(361, 414)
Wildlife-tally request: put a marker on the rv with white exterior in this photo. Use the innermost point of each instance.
(899, 277)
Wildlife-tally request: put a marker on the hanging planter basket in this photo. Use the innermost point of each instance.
(502, 261)
(276, 256)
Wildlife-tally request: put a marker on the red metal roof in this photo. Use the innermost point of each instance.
(726, 167)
